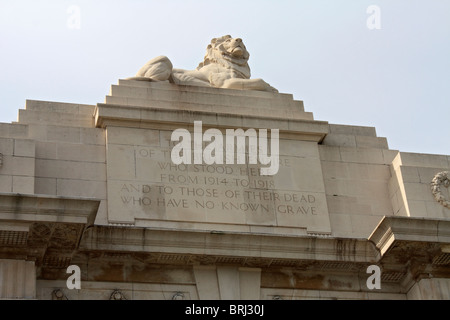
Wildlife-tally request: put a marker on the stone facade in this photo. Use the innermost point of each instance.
(94, 186)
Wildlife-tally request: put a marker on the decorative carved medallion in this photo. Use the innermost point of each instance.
(440, 179)
(117, 295)
(178, 296)
(58, 294)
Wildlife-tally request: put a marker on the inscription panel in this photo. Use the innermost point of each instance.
(144, 184)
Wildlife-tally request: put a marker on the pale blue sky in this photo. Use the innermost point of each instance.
(396, 79)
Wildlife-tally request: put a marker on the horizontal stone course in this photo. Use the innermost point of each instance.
(70, 169)
(221, 98)
(51, 118)
(245, 102)
(165, 85)
(63, 107)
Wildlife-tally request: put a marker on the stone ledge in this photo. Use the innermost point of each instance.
(200, 89)
(157, 118)
(221, 96)
(223, 244)
(395, 229)
(43, 229)
(290, 111)
(38, 208)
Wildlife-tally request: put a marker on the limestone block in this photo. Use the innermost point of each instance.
(426, 175)
(336, 139)
(329, 153)
(62, 119)
(17, 279)
(336, 187)
(437, 211)
(376, 172)
(45, 186)
(250, 283)
(70, 170)
(292, 177)
(363, 225)
(424, 160)
(229, 286)
(389, 155)
(430, 289)
(340, 204)
(219, 98)
(381, 206)
(23, 185)
(164, 139)
(13, 130)
(303, 149)
(6, 146)
(117, 100)
(46, 150)
(182, 89)
(396, 202)
(37, 131)
(362, 155)
(335, 170)
(132, 136)
(94, 136)
(5, 182)
(411, 185)
(369, 188)
(63, 133)
(50, 106)
(80, 152)
(418, 191)
(121, 162)
(102, 213)
(81, 188)
(353, 130)
(285, 110)
(410, 174)
(371, 142)
(340, 223)
(18, 166)
(24, 148)
(207, 283)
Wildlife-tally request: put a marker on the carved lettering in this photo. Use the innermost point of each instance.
(224, 188)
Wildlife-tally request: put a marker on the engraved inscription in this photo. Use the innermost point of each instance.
(223, 187)
(145, 185)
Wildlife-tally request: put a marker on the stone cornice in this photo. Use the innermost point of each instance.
(394, 229)
(257, 246)
(170, 119)
(44, 229)
(45, 208)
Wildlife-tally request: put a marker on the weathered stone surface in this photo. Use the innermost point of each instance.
(95, 186)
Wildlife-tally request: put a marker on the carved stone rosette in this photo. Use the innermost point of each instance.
(58, 294)
(440, 179)
(117, 295)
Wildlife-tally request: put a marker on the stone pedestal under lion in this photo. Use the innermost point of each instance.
(225, 66)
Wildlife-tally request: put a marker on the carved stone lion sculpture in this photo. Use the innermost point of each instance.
(225, 66)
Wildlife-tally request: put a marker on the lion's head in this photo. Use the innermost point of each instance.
(230, 53)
